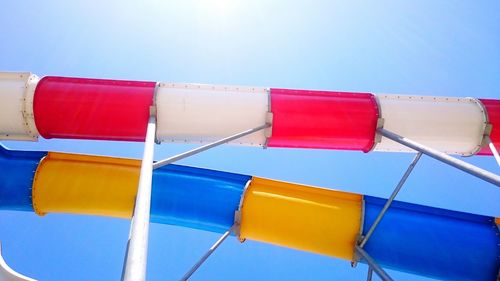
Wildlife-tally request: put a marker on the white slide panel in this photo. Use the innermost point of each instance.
(451, 125)
(195, 113)
(16, 106)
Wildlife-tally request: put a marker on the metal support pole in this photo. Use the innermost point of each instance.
(443, 157)
(206, 255)
(391, 198)
(373, 265)
(137, 246)
(207, 146)
(370, 274)
(493, 149)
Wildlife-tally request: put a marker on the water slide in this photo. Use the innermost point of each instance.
(100, 109)
(437, 243)
(313, 219)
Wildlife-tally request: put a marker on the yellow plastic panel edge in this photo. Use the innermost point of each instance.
(302, 217)
(82, 184)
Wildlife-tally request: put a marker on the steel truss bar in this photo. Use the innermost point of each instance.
(206, 255)
(391, 198)
(207, 146)
(373, 265)
(443, 157)
(137, 246)
(493, 149)
(370, 274)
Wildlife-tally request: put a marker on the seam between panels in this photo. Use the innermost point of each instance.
(33, 185)
(238, 214)
(487, 127)
(359, 237)
(378, 125)
(268, 132)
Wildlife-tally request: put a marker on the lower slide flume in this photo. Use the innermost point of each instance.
(413, 238)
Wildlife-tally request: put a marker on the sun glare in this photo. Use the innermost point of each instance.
(217, 11)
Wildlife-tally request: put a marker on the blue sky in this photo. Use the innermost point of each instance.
(446, 48)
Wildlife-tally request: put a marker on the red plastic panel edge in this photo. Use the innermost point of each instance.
(323, 119)
(99, 109)
(493, 111)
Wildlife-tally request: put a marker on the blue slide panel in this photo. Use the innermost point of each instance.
(433, 242)
(196, 198)
(17, 169)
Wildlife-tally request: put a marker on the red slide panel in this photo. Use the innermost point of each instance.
(323, 119)
(493, 111)
(97, 109)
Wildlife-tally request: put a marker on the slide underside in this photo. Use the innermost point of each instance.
(413, 238)
(103, 109)
(418, 239)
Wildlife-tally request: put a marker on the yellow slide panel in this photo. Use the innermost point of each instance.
(307, 218)
(81, 184)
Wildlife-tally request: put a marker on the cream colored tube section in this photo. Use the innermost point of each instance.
(16, 106)
(451, 125)
(196, 113)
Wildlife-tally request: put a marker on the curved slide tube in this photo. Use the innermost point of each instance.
(423, 240)
(100, 109)
(8, 274)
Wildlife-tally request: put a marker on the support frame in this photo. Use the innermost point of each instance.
(390, 200)
(137, 246)
(372, 265)
(207, 254)
(197, 150)
(443, 157)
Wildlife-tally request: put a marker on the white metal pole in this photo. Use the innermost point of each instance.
(443, 157)
(373, 265)
(137, 246)
(370, 274)
(207, 147)
(206, 255)
(391, 198)
(493, 149)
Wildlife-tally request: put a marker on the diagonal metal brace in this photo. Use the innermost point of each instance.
(186, 154)
(493, 149)
(207, 254)
(391, 198)
(443, 157)
(373, 265)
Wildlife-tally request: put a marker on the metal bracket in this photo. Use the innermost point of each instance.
(378, 137)
(152, 111)
(237, 224)
(487, 133)
(380, 124)
(268, 132)
(238, 213)
(359, 237)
